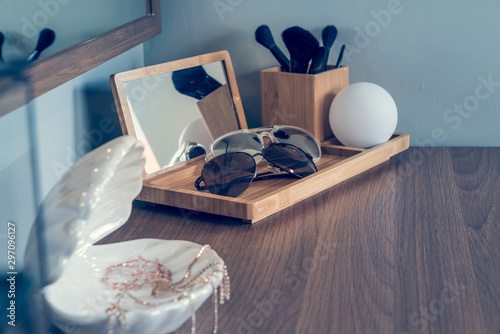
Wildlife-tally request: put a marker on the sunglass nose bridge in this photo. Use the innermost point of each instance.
(267, 138)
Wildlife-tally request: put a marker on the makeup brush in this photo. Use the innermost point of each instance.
(194, 82)
(45, 39)
(302, 46)
(341, 54)
(329, 34)
(317, 61)
(264, 37)
(2, 39)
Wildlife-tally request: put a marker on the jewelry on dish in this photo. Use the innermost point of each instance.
(136, 274)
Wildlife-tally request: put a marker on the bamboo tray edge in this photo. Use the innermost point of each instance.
(252, 208)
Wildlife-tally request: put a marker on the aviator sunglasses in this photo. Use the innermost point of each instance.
(230, 174)
(252, 141)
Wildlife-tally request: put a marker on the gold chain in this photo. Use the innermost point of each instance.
(141, 272)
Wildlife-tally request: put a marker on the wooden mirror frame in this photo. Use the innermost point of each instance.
(122, 106)
(56, 69)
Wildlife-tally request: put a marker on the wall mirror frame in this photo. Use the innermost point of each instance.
(54, 70)
(121, 83)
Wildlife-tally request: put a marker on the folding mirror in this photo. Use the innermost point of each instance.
(177, 108)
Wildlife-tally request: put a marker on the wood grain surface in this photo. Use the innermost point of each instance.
(217, 106)
(410, 246)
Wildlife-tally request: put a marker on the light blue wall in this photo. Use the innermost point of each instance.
(433, 57)
(22, 20)
(68, 121)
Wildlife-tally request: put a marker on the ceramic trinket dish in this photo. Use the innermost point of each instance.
(91, 201)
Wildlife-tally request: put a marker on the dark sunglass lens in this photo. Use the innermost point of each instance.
(196, 152)
(298, 138)
(290, 159)
(229, 174)
(281, 134)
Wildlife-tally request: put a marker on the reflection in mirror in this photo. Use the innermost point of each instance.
(23, 21)
(177, 108)
(176, 115)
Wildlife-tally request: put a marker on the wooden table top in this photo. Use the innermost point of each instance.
(410, 246)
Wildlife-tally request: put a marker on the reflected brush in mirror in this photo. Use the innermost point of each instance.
(45, 39)
(194, 82)
(2, 38)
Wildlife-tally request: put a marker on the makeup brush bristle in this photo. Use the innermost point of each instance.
(301, 43)
(47, 37)
(329, 34)
(264, 36)
(302, 46)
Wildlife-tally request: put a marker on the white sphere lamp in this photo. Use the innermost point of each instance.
(363, 115)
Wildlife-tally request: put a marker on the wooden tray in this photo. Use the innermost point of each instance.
(263, 198)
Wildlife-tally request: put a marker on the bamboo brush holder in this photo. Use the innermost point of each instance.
(301, 100)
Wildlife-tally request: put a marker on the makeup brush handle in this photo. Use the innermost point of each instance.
(2, 39)
(297, 67)
(33, 56)
(281, 58)
(341, 54)
(324, 64)
(317, 61)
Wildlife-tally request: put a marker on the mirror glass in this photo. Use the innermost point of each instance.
(177, 114)
(22, 21)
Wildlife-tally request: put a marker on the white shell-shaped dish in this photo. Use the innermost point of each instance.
(78, 299)
(93, 199)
